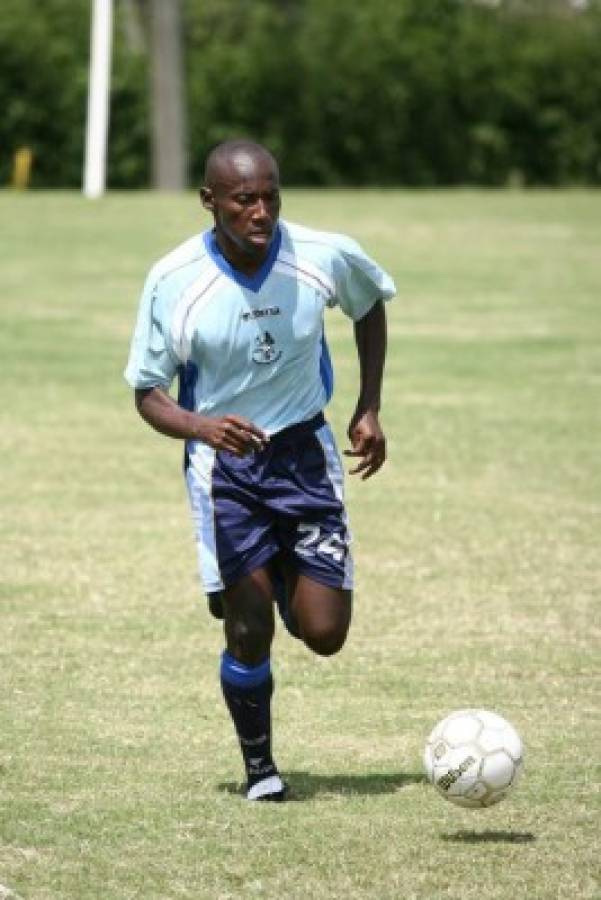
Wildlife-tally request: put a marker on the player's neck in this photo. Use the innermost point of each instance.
(242, 262)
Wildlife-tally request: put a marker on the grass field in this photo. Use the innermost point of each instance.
(478, 572)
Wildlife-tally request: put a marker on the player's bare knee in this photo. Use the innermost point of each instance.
(248, 624)
(325, 642)
(249, 638)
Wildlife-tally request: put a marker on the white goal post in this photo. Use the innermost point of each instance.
(101, 33)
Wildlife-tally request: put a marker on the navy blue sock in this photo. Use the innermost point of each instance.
(247, 692)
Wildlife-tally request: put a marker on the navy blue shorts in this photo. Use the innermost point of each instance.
(286, 499)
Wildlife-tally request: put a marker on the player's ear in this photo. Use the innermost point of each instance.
(206, 198)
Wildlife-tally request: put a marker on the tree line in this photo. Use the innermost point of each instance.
(379, 92)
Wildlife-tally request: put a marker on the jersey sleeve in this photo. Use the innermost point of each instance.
(152, 362)
(359, 282)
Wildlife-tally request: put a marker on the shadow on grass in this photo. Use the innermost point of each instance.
(305, 785)
(489, 837)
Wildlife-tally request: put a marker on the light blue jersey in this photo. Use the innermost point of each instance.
(251, 345)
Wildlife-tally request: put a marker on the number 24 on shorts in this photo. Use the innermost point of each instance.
(312, 544)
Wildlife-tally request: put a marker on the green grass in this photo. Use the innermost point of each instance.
(478, 572)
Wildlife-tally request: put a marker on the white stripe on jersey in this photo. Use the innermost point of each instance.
(289, 264)
(188, 308)
(198, 480)
(335, 473)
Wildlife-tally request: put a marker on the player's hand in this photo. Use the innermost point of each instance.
(233, 434)
(368, 444)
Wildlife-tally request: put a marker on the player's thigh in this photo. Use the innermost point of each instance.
(248, 616)
(323, 613)
(235, 533)
(314, 530)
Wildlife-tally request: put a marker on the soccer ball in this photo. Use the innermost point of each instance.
(473, 757)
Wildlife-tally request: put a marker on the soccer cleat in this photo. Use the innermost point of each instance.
(271, 789)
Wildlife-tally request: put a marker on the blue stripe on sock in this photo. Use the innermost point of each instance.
(240, 675)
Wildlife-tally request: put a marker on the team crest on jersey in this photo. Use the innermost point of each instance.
(265, 350)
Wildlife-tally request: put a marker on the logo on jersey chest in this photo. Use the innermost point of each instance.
(265, 350)
(259, 313)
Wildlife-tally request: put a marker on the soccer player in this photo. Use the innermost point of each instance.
(236, 313)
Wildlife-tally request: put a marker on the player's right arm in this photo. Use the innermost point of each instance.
(232, 433)
(152, 366)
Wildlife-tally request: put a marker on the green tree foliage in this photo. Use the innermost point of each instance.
(379, 92)
(44, 54)
(43, 86)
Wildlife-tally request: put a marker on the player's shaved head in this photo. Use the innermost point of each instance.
(242, 192)
(236, 158)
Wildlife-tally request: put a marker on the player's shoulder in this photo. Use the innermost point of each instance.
(181, 263)
(336, 256)
(314, 243)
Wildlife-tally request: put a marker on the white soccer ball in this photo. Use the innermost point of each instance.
(473, 757)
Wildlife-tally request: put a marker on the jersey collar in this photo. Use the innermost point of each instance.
(251, 282)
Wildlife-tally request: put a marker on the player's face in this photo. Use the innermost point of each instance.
(245, 203)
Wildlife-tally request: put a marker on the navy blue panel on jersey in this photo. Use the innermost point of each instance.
(326, 370)
(188, 376)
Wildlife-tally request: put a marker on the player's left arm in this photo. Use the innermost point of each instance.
(365, 432)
